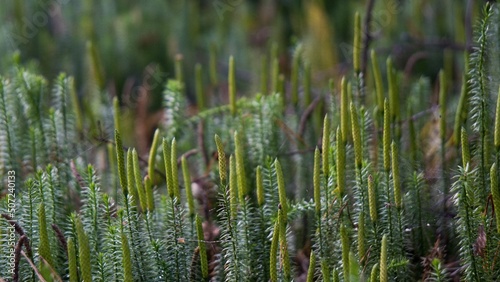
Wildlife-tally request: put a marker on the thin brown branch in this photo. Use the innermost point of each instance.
(37, 272)
(76, 174)
(201, 142)
(195, 260)
(14, 223)
(17, 257)
(52, 270)
(60, 237)
(410, 63)
(187, 155)
(290, 134)
(19, 231)
(339, 214)
(305, 116)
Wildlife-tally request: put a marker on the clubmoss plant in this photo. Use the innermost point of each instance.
(370, 185)
(274, 252)
(379, 87)
(345, 251)
(141, 192)
(44, 248)
(497, 124)
(152, 156)
(383, 260)
(340, 164)
(307, 85)
(316, 185)
(284, 256)
(240, 167)
(202, 248)
(167, 158)
(356, 56)
(233, 188)
(187, 185)
(174, 169)
(200, 96)
(131, 178)
(148, 186)
(264, 75)
(232, 86)
(372, 197)
(461, 113)
(294, 80)
(344, 102)
(393, 99)
(72, 261)
(127, 260)
(83, 252)
(495, 192)
(312, 267)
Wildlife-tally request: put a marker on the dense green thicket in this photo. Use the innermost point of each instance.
(360, 182)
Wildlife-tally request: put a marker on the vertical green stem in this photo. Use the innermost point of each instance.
(312, 266)
(379, 86)
(442, 130)
(152, 156)
(344, 119)
(128, 276)
(83, 252)
(307, 85)
(73, 270)
(264, 74)
(213, 66)
(187, 185)
(387, 162)
(203, 251)
(232, 86)
(345, 252)
(495, 192)
(233, 189)
(294, 77)
(275, 75)
(383, 260)
(326, 165)
(273, 271)
(200, 98)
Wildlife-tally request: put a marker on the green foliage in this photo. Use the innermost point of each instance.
(312, 267)
(202, 248)
(127, 260)
(438, 272)
(73, 270)
(264, 182)
(84, 259)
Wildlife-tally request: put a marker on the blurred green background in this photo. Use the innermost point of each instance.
(114, 47)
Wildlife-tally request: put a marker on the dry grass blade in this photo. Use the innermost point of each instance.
(55, 276)
(37, 272)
